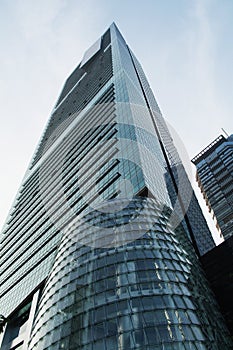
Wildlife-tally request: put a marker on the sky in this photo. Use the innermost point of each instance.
(184, 46)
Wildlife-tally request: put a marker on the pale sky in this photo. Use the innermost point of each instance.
(184, 46)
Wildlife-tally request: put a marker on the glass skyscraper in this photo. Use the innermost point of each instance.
(215, 178)
(100, 250)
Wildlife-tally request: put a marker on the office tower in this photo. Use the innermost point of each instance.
(215, 178)
(94, 256)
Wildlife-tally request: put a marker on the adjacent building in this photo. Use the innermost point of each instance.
(217, 264)
(215, 178)
(100, 250)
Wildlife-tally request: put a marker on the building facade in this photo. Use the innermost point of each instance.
(215, 178)
(100, 250)
(217, 264)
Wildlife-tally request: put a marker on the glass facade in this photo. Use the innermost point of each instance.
(132, 295)
(215, 179)
(91, 244)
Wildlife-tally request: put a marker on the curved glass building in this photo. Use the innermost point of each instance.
(100, 250)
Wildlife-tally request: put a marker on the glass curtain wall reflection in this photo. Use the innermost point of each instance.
(95, 242)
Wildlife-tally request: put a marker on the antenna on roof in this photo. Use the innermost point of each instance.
(225, 132)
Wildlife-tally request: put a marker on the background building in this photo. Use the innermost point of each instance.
(100, 248)
(217, 264)
(215, 178)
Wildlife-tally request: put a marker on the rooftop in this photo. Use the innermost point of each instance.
(209, 149)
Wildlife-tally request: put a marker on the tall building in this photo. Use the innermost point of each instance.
(218, 267)
(215, 178)
(100, 250)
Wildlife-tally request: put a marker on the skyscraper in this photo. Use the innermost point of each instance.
(100, 248)
(215, 178)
